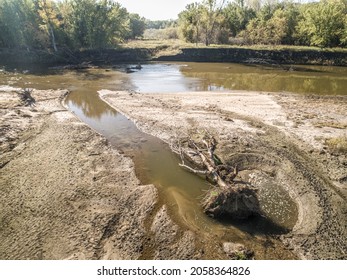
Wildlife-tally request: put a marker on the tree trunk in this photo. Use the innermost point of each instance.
(53, 38)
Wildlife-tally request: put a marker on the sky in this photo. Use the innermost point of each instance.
(156, 9)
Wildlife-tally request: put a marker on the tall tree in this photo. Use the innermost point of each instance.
(49, 17)
(19, 24)
(137, 26)
(97, 23)
(237, 16)
(190, 22)
(202, 21)
(323, 24)
(211, 19)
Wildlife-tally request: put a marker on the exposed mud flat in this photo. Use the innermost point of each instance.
(64, 192)
(280, 144)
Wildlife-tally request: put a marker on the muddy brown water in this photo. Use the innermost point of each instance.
(154, 162)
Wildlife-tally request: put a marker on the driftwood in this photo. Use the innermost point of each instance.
(219, 173)
(26, 98)
(226, 197)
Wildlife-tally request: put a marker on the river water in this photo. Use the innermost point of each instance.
(154, 162)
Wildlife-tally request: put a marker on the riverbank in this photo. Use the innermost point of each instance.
(269, 137)
(258, 56)
(65, 193)
(19, 58)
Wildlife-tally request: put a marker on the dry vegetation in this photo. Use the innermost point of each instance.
(338, 144)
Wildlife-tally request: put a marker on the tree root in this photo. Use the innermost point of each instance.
(225, 198)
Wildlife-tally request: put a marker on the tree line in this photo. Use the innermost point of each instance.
(73, 24)
(322, 24)
(94, 24)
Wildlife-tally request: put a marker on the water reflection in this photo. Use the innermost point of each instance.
(178, 77)
(162, 78)
(310, 79)
(88, 103)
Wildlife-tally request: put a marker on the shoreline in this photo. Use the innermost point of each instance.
(22, 58)
(59, 199)
(66, 193)
(62, 181)
(272, 121)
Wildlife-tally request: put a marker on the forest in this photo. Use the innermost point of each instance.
(322, 24)
(73, 24)
(95, 24)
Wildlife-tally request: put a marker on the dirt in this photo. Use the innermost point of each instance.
(169, 52)
(254, 56)
(64, 192)
(279, 144)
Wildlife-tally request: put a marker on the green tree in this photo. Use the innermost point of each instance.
(202, 22)
(276, 27)
(237, 16)
(190, 23)
(19, 24)
(212, 20)
(96, 23)
(49, 19)
(275, 24)
(137, 26)
(291, 12)
(160, 24)
(323, 24)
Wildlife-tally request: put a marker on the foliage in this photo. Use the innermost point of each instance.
(189, 23)
(137, 26)
(161, 34)
(74, 24)
(203, 22)
(271, 31)
(93, 24)
(237, 16)
(49, 20)
(97, 23)
(323, 24)
(19, 24)
(160, 24)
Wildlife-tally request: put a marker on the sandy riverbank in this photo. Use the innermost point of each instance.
(296, 143)
(64, 192)
(67, 194)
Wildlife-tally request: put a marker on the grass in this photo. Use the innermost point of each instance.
(338, 144)
(177, 44)
(154, 43)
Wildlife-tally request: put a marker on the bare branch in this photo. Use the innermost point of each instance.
(200, 143)
(195, 171)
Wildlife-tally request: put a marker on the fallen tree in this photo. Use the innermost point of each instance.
(226, 197)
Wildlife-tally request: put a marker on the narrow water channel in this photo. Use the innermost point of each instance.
(154, 162)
